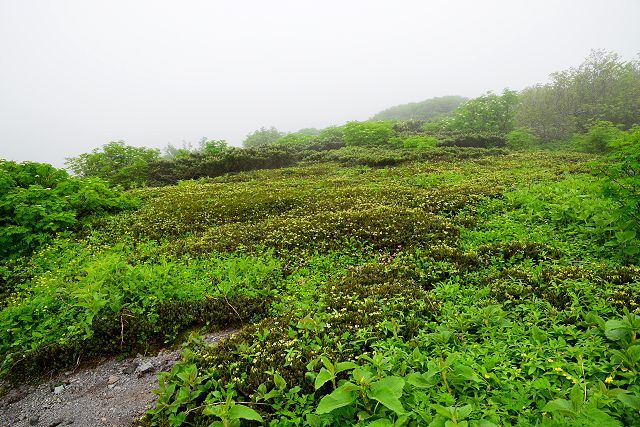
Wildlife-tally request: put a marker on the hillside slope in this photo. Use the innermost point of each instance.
(481, 290)
(431, 108)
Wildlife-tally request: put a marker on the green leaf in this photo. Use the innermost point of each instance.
(344, 366)
(464, 412)
(441, 410)
(388, 392)
(577, 396)
(634, 353)
(244, 412)
(418, 380)
(215, 410)
(279, 381)
(322, 377)
(177, 419)
(342, 396)
(466, 373)
(313, 420)
(560, 406)
(616, 330)
(630, 400)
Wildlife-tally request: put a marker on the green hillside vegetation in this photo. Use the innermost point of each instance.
(463, 272)
(432, 108)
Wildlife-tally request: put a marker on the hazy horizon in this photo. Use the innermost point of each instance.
(79, 74)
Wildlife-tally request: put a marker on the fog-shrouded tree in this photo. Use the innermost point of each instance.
(172, 152)
(489, 113)
(205, 146)
(212, 146)
(603, 87)
(262, 136)
(116, 163)
(295, 138)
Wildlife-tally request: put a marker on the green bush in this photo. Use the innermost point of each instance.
(471, 140)
(116, 163)
(521, 139)
(367, 133)
(38, 201)
(420, 142)
(621, 174)
(294, 139)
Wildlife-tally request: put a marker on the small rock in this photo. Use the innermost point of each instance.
(112, 379)
(131, 368)
(103, 419)
(144, 368)
(34, 420)
(59, 389)
(56, 423)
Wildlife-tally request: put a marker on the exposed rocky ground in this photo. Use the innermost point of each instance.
(113, 393)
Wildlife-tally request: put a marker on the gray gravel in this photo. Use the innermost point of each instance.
(114, 393)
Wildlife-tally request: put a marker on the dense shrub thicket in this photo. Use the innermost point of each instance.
(38, 201)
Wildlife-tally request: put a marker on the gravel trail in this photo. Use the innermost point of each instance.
(113, 393)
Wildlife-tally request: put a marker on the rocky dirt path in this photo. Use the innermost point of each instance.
(114, 393)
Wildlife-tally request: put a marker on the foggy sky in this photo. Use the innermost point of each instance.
(76, 74)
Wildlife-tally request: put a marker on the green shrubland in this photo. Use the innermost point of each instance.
(465, 287)
(468, 271)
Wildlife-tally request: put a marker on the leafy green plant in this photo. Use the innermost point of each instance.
(116, 163)
(38, 201)
(367, 133)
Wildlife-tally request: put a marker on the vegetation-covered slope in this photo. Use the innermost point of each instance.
(461, 272)
(490, 290)
(432, 108)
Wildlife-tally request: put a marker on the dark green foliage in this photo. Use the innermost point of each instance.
(116, 163)
(517, 251)
(37, 201)
(432, 108)
(358, 302)
(197, 165)
(471, 140)
(521, 138)
(598, 137)
(365, 156)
